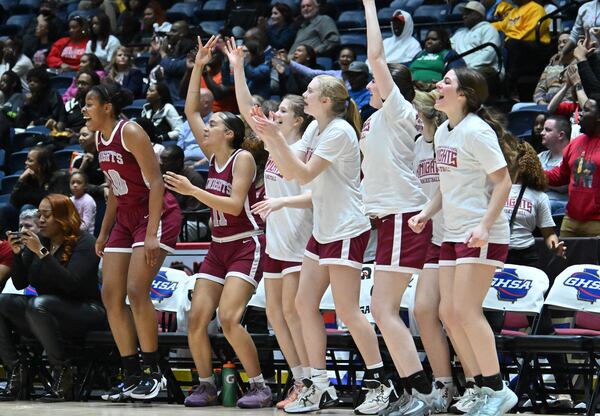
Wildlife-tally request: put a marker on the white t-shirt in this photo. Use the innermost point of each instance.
(288, 229)
(104, 54)
(534, 211)
(427, 172)
(390, 185)
(465, 156)
(337, 204)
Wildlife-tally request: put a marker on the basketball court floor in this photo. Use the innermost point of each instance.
(111, 409)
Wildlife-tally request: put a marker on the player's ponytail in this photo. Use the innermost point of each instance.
(236, 126)
(342, 105)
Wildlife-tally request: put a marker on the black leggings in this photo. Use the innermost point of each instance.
(48, 318)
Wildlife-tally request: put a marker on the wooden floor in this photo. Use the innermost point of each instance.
(111, 409)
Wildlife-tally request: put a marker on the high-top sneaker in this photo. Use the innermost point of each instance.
(62, 385)
(17, 386)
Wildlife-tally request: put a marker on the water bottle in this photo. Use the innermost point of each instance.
(229, 377)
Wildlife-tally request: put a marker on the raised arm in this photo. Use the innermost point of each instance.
(235, 55)
(375, 52)
(192, 102)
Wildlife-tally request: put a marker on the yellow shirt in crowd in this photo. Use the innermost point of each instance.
(520, 23)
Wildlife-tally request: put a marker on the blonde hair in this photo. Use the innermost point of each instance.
(113, 62)
(341, 103)
(424, 103)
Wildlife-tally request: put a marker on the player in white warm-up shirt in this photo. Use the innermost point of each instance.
(327, 160)
(474, 185)
(288, 228)
(392, 194)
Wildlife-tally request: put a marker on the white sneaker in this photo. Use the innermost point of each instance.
(494, 403)
(465, 402)
(312, 398)
(377, 398)
(406, 405)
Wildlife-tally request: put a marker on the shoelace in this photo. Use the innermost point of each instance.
(375, 395)
(469, 395)
(57, 380)
(304, 395)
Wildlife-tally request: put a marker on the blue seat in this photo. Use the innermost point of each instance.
(7, 4)
(16, 162)
(34, 4)
(357, 41)
(86, 14)
(19, 141)
(214, 10)
(2, 157)
(212, 27)
(519, 122)
(351, 18)
(325, 62)
(21, 20)
(141, 62)
(343, 5)
(63, 158)
(385, 15)
(4, 198)
(38, 130)
(7, 183)
(408, 6)
(183, 11)
(430, 12)
(132, 112)
(9, 30)
(294, 4)
(61, 81)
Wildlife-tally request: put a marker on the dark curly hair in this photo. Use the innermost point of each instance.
(66, 215)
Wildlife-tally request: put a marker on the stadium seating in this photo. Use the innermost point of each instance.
(351, 19)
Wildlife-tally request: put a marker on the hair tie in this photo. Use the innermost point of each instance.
(479, 109)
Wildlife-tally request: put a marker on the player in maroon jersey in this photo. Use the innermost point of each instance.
(140, 226)
(233, 266)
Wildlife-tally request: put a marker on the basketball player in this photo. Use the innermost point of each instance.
(233, 266)
(327, 159)
(140, 227)
(474, 185)
(288, 228)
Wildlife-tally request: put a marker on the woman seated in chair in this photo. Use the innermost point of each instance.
(62, 266)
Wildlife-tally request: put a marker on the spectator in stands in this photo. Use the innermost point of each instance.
(569, 100)
(84, 203)
(187, 141)
(580, 170)
(14, 60)
(88, 164)
(357, 75)
(258, 70)
(74, 121)
(66, 52)
(12, 98)
(212, 79)
(586, 24)
(89, 62)
(172, 160)
(42, 103)
(295, 81)
(551, 79)
(102, 43)
(159, 108)
(122, 71)
(168, 56)
(555, 137)
(345, 58)
(280, 30)
(535, 140)
(437, 58)
(155, 16)
(128, 28)
(150, 129)
(62, 266)
(496, 9)
(29, 219)
(37, 44)
(526, 56)
(316, 30)
(588, 66)
(39, 178)
(401, 47)
(478, 31)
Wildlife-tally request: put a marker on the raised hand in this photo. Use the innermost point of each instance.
(234, 53)
(204, 54)
(266, 128)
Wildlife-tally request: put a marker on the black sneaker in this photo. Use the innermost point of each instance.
(62, 386)
(122, 391)
(149, 386)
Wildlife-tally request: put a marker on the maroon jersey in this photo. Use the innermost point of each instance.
(219, 182)
(121, 169)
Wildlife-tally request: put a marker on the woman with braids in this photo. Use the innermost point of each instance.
(61, 264)
(474, 185)
(140, 226)
(233, 266)
(327, 160)
(288, 228)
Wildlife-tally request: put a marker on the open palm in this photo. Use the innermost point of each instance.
(235, 54)
(204, 54)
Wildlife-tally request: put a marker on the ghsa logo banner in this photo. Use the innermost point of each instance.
(509, 286)
(587, 284)
(161, 287)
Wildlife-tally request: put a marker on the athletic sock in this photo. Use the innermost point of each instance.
(306, 371)
(319, 378)
(493, 382)
(420, 382)
(259, 380)
(131, 365)
(297, 373)
(375, 373)
(209, 380)
(478, 380)
(150, 359)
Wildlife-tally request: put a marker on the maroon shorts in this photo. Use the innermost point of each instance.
(399, 249)
(348, 252)
(241, 258)
(432, 258)
(130, 226)
(452, 254)
(276, 269)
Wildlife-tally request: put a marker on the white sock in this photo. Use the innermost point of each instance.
(209, 380)
(258, 380)
(306, 371)
(298, 373)
(319, 377)
(377, 365)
